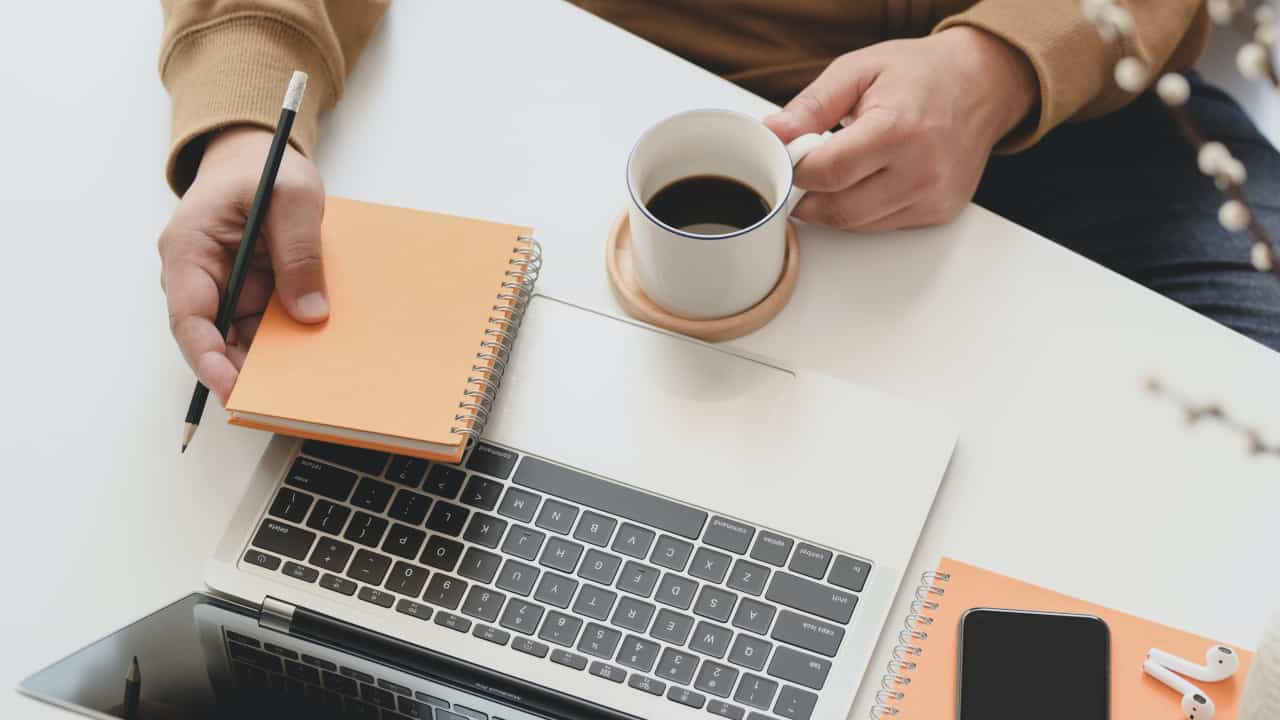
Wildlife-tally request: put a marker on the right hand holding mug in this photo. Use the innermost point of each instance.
(199, 244)
(925, 113)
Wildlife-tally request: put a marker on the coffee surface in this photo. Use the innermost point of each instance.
(708, 205)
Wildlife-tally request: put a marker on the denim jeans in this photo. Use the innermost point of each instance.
(1125, 191)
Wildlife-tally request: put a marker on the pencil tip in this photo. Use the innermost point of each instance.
(134, 673)
(188, 432)
(184, 448)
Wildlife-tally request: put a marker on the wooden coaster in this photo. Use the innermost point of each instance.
(626, 287)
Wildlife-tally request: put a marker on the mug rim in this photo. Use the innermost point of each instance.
(782, 202)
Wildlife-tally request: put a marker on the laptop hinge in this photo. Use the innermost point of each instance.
(276, 615)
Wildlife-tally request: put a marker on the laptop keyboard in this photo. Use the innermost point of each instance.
(632, 588)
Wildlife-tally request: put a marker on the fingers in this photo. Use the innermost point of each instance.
(854, 208)
(828, 98)
(293, 233)
(851, 155)
(193, 299)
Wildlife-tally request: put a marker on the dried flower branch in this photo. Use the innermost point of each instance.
(1196, 412)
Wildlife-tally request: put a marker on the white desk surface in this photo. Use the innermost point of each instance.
(1067, 473)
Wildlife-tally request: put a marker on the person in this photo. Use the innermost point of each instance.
(945, 101)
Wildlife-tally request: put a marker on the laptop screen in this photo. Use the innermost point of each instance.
(204, 659)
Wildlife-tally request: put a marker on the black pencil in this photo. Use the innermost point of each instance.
(252, 227)
(132, 691)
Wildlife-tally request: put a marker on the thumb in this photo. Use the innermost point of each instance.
(293, 233)
(821, 105)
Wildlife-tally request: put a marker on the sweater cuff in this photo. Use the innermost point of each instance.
(1072, 64)
(234, 72)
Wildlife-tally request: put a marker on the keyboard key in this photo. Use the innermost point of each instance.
(560, 629)
(599, 641)
(771, 548)
(568, 659)
(485, 530)
(518, 578)
(491, 634)
(256, 658)
(595, 602)
(800, 668)
(672, 553)
(756, 691)
(479, 565)
(811, 561)
(716, 679)
(378, 696)
(372, 495)
(647, 684)
(301, 572)
(754, 616)
(331, 555)
(410, 507)
(750, 652)
(366, 461)
(444, 481)
(290, 505)
(301, 672)
(413, 609)
(527, 646)
(404, 541)
(366, 529)
(445, 591)
(337, 683)
(519, 504)
(244, 639)
(634, 541)
(521, 616)
(638, 579)
(748, 577)
(595, 528)
(328, 517)
(406, 470)
(492, 460)
(672, 627)
(710, 565)
(483, 603)
(339, 585)
(600, 567)
(612, 673)
(609, 497)
(447, 518)
(413, 709)
(357, 710)
(561, 554)
(715, 603)
(676, 591)
(676, 666)
(728, 534)
(261, 559)
(284, 539)
(557, 517)
(795, 704)
(369, 567)
(453, 622)
(711, 639)
(685, 696)
(633, 615)
(849, 573)
(523, 542)
(468, 713)
(442, 553)
(321, 479)
(406, 579)
(813, 635)
(638, 653)
(725, 710)
(377, 597)
(482, 492)
(556, 590)
(811, 597)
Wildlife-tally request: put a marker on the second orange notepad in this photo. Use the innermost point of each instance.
(423, 306)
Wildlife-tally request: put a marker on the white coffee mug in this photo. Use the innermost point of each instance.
(702, 276)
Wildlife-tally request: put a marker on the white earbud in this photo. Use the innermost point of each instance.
(1195, 704)
(1220, 663)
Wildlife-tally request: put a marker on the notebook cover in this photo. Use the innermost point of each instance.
(411, 294)
(932, 692)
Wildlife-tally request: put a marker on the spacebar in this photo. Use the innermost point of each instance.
(603, 495)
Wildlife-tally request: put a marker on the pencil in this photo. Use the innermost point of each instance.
(252, 228)
(132, 690)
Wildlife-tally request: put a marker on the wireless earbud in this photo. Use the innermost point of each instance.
(1195, 704)
(1220, 663)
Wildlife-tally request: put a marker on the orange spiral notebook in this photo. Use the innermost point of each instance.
(927, 661)
(424, 308)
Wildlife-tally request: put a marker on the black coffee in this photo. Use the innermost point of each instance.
(708, 205)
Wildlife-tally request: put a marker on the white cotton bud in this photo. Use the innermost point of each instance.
(1173, 89)
(1221, 11)
(1092, 9)
(1212, 157)
(1253, 61)
(1233, 216)
(1233, 171)
(1131, 75)
(1265, 35)
(1118, 18)
(1262, 257)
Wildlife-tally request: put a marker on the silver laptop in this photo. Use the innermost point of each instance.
(651, 527)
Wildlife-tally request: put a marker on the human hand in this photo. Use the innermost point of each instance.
(198, 247)
(924, 116)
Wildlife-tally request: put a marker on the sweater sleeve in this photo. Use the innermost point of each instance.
(227, 62)
(1074, 66)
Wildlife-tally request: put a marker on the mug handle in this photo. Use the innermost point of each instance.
(798, 149)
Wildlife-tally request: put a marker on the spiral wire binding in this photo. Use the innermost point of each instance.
(910, 645)
(495, 348)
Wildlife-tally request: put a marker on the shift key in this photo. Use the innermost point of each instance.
(284, 539)
(322, 479)
(811, 597)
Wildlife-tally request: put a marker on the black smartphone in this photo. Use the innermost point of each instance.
(1017, 664)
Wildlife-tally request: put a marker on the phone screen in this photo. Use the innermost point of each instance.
(1017, 665)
